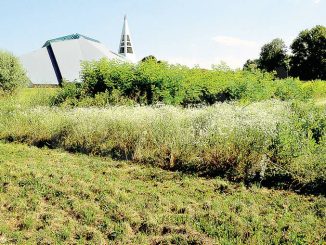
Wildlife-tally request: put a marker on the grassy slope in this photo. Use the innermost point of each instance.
(49, 196)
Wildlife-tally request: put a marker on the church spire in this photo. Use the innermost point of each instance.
(126, 48)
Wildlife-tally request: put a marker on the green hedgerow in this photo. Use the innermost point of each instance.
(151, 82)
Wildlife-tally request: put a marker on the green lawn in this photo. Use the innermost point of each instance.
(50, 196)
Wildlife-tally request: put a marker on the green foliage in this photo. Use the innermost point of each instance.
(273, 56)
(150, 57)
(309, 54)
(53, 197)
(151, 82)
(251, 65)
(308, 59)
(256, 142)
(12, 74)
(69, 95)
(316, 89)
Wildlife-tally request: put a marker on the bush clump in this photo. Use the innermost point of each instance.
(151, 82)
(12, 74)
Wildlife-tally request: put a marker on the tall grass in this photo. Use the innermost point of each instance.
(265, 141)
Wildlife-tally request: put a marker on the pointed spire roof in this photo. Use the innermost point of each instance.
(126, 48)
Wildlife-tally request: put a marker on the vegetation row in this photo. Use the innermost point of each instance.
(151, 82)
(274, 143)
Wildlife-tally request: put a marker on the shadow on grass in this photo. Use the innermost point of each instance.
(280, 181)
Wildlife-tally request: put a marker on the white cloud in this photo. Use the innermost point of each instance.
(316, 1)
(234, 42)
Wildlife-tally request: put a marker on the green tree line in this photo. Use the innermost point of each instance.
(306, 61)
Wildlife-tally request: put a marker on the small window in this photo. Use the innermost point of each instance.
(128, 38)
(122, 50)
(128, 43)
(123, 38)
(129, 50)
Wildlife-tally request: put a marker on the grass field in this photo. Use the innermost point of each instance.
(50, 196)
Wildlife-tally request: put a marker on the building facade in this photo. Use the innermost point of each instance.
(60, 58)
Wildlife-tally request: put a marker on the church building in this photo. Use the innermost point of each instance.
(60, 58)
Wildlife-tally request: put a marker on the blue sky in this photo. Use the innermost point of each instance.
(189, 32)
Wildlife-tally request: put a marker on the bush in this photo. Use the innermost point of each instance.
(316, 89)
(68, 95)
(151, 82)
(12, 74)
(74, 94)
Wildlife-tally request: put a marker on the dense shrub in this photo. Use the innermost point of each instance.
(316, 89)
(150, 82)
(274, 142)
(12, 74)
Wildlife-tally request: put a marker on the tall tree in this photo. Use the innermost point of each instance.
(273, 56)
(309, 54)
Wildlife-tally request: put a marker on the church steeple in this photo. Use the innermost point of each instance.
(126, 48)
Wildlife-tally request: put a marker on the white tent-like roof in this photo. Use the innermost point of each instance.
(60, 58)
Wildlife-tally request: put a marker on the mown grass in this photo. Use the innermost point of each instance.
(49, 196)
